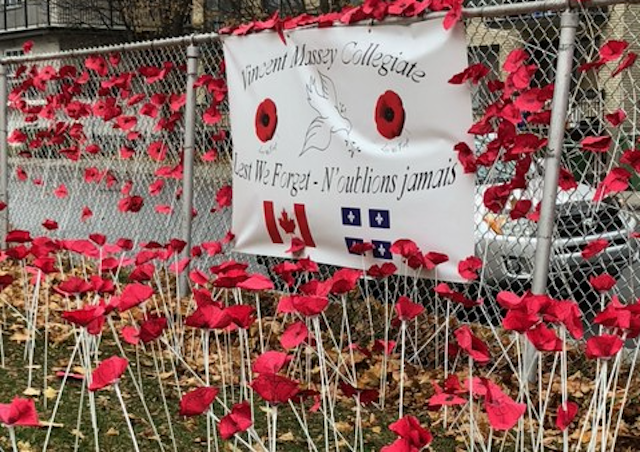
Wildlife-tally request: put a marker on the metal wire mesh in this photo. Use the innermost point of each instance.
(121, 166)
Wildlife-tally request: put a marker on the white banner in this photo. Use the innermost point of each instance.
(346, 134)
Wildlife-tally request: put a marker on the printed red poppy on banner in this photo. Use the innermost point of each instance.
(389, 115)
(108, 372)
(198, 401)
(266, 120)
(20, 412)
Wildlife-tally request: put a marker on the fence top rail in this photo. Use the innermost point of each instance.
(493, 11)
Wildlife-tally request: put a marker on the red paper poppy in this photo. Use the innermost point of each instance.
(612, 50)
(212, 248)
(198, 401)
(596, 144)
(594, 247)
(108, 372)
(294, 335)
(604, 346)
(275, 389)
(389, 115)
(344, 280)
(502, 411)
(256, 282)
(241, 315)
(20, 412)
(466, 157)
(567, 313)
(445, 291)
(210, 317)
(628, 61)
(130, 335)
(134, 295)
(474, 73)
(270, 362)
(152, 328)
(307, 305)
(237, 421)
(409, 428)
(266, 120)
(566, 415)
(382, 271)
(408, 310)
(519, 321)
(470, 343)
(468, 268)
(603, 282)
(544, 338)
(616, 181)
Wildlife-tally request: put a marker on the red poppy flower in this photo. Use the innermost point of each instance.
(616, 181)
(612, 50)
(256, 282)
(275, 389)
(266, 120)
(306, 305)
(409, 428)
(73, 286)
(503, 412)
(344, 280)
(270, 362)
(471, 344)
(382, 271)
(131, 204)
(466, 157)
(198, 401)
(294, 335)
(604, 346)
(389, 115)
(20, 412)
(363, 396)
(408, 310)
(209, 317)
(445, 291)
(18, 236)
(133, 295)
(468, 268)
(474, 72)
(616, 118)
(237, 421)
(628, 61)
(603, 282)
(567, 313)
(241, 315)
(108, 372)
(381, 346)
(90, 317)
(596, 144)
(130, 335)
(152, 328)
(565, 416)
(519, 321)
(594, 247)
(544, 338)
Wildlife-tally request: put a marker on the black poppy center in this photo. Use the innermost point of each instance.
(265, 119)
(388, 114)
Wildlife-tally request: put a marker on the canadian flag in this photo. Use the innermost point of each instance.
(288, 225)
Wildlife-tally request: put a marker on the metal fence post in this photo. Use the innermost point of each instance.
(559, 106)
(193, 56)
(4, 156)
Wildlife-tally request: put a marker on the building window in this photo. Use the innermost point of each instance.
(10, 3)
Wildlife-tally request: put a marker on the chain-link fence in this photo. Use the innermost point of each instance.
(96, 145)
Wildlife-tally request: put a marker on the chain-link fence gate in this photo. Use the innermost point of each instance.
(101, 140)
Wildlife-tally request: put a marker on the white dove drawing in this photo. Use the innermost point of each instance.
(331, 119)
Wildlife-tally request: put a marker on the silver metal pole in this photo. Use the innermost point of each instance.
(564, 69)
(4, 156)
(193, 56)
